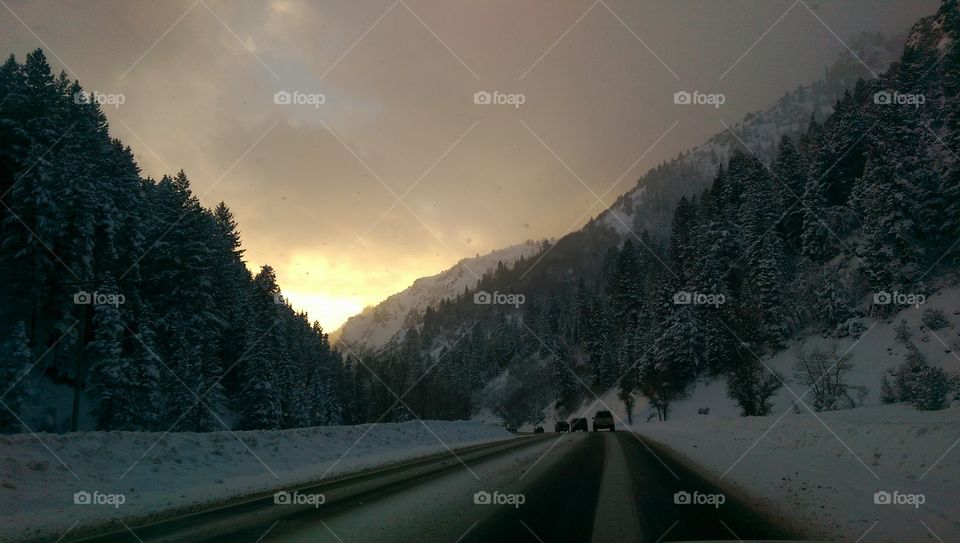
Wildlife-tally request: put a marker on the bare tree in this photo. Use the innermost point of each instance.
(825, 373)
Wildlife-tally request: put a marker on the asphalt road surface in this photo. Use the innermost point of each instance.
(611, 487)
(600, 487)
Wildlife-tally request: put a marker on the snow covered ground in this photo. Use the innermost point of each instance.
(823, 469)
(40, 475)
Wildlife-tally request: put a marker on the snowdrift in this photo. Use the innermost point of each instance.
(157, 471)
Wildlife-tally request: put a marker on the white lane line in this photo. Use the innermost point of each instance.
(616, 516)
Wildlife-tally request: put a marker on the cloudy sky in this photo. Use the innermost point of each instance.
(398, 173)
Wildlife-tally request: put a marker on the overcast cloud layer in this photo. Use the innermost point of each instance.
(315, 188)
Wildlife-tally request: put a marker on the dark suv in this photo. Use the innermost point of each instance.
(603, 420)
(561, 426)
(578, 424)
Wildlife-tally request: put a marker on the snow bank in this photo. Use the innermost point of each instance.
(154, 472)
(803, 469)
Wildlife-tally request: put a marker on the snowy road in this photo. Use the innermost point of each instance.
(576, 487)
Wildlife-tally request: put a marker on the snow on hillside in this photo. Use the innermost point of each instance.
(374, 326)
(871, 354)
(793, 460)
(649, 205)
(179, 470)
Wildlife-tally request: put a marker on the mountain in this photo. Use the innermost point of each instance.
(376, 325)
(846, 222)
(649, 205)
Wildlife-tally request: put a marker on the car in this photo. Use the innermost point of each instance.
(512, 428)
(578, 423)
(561, 426)
(603, 420)
(538, 429)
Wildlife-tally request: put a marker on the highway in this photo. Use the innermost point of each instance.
(582, 487)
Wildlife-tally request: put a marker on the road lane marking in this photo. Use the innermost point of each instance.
(616, 516)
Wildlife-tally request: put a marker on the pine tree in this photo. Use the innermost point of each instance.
(231, 290)
(766, 258)
(564, 382)
(630, 359)
(682, 236)
(717, 270)
(192, 388)
(107, 368)
(818, 241)
(840, 157)
(675, 358)
(832, 302)
(926, 387)
(887, 392)
(888, 201)
(15, 363)
(789, 170)
(138, 404)
(260, 401)
(626, 295)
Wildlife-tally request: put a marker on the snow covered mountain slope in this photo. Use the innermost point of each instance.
(823, 469)
(649, 205)
(872, 351)
(374, 326)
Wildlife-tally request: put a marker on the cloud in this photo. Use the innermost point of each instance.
(400, 97)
